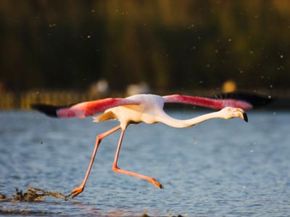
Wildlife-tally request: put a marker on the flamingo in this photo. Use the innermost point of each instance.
(147, 108)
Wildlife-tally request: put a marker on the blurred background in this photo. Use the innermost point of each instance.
(66, 51)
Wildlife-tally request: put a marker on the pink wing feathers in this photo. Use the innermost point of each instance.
(207, 102)
(83, 109)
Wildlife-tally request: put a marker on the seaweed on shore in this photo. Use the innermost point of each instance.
(35, 195)
(31, 195)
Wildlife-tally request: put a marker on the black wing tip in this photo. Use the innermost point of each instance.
(49, 110)
(257, 100)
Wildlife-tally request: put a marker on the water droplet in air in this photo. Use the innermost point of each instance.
(193, 48)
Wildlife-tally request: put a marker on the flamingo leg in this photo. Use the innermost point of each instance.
(116, 169)
(76, 191)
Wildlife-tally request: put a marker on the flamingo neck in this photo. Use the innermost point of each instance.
(173, 122)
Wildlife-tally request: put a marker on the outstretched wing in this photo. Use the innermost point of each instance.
(83, 109)
(207, 102)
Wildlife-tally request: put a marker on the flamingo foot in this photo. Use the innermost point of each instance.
(75, 192)
(156, 183)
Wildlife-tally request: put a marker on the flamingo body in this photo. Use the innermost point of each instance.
(150, 110)
(147, 108)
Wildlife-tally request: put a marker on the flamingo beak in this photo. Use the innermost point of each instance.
(245, 116)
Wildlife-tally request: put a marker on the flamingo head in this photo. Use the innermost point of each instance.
(230, 112)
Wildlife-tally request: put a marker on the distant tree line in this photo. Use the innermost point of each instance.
(167, 44)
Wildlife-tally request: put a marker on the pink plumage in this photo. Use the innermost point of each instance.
(84, 109)
(207, 102)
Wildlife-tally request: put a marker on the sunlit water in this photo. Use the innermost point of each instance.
(218, 168)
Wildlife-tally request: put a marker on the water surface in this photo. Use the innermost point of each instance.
(218, 168)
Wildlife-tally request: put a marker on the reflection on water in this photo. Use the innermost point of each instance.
(219, 168)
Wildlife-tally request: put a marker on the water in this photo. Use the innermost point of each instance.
(218, 168)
